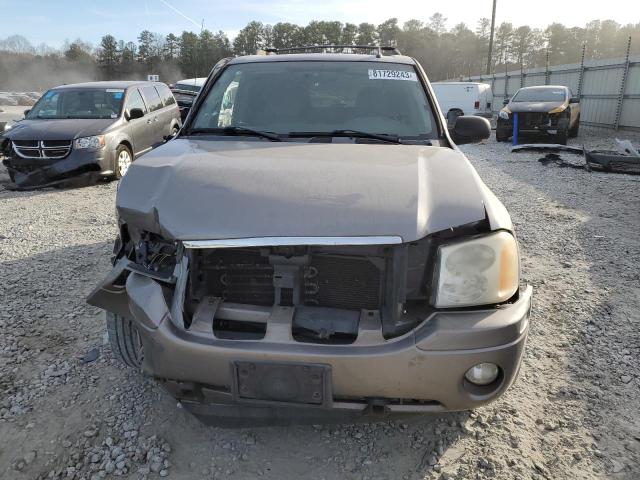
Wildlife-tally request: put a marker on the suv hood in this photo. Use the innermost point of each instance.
(202, 189)
(534, 106)
(58, 129)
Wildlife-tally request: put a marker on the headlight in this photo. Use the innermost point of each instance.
(481, 271)
(89, 142)
(503, 115)
(7, 128)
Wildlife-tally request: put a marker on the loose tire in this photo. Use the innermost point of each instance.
(124, 340)
(122, 162)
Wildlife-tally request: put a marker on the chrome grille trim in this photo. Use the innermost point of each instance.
(42, 149)
(292, 241)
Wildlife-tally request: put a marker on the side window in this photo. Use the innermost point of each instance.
(134, 100)
(152, 98)
(166, 95)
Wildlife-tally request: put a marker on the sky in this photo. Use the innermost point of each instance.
(54, 21)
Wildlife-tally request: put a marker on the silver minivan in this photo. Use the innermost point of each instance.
(93, 129)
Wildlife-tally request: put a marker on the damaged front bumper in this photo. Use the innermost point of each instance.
(29, 173)
(417, 372)
(533, 123)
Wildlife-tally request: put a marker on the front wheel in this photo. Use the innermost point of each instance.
(574, 131)
(123, 161)
(562, 136)
(501, 136)
(124, 339)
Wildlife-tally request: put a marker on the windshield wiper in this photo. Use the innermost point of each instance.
(235, 130)
(349, 133)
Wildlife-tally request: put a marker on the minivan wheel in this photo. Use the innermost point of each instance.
(125, 341)
(123, 161)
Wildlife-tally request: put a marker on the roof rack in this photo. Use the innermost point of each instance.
(379, 49)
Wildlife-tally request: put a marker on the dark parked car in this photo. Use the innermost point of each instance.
(185, 92)
(314, 244)
(550, 110)
(88, 129)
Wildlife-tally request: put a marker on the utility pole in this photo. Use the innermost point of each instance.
(493, 26)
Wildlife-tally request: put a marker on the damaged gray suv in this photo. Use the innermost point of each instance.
(313, 246)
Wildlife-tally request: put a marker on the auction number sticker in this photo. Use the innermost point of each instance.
(392, 75)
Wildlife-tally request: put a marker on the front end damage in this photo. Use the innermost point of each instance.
(533, 123)
(43, 163)
(284, 328)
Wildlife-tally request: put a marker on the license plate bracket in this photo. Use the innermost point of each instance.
(280, 383)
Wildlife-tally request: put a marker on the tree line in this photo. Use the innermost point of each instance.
(444, 52)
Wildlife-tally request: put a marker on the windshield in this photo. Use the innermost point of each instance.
(188, 87)
(79, 103)
(321, 97)
(540, 95)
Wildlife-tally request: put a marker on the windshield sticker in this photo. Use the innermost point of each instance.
(114, 115)
(115, 90)
(392, 75)
(118, 95)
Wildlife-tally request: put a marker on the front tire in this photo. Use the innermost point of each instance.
(122, 162)
(574, 131)
(501, 137)
(125, 341)
(562, 136)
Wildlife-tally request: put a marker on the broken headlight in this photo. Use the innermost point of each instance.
(481, 271)
(97, 141)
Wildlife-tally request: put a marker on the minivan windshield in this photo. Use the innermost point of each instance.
(79, 103)
(540, 95)
(320, 97)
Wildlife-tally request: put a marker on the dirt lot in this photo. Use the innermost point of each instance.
(574, 412)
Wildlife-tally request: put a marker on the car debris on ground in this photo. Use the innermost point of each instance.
(554, 147)
(625, 159)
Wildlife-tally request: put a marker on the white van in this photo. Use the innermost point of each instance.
(463, 98)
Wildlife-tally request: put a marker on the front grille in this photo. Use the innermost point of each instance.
(43, 149)
(337, 281)
(533, 119)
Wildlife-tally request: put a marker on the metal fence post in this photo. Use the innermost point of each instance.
(581, 75)
(506, 81)
(623, 84)
(493, 92)
(546, 73)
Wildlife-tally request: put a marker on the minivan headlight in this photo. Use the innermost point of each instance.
(481, 271)
(503, 115)
(96, 141)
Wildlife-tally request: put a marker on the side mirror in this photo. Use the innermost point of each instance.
(26, 112)
(135, 113)
(574, 100)
(506, 101)
(471, 129)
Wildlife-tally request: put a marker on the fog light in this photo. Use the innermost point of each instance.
(482, 374)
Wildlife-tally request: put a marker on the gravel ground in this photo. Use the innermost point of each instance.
(573, 413)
